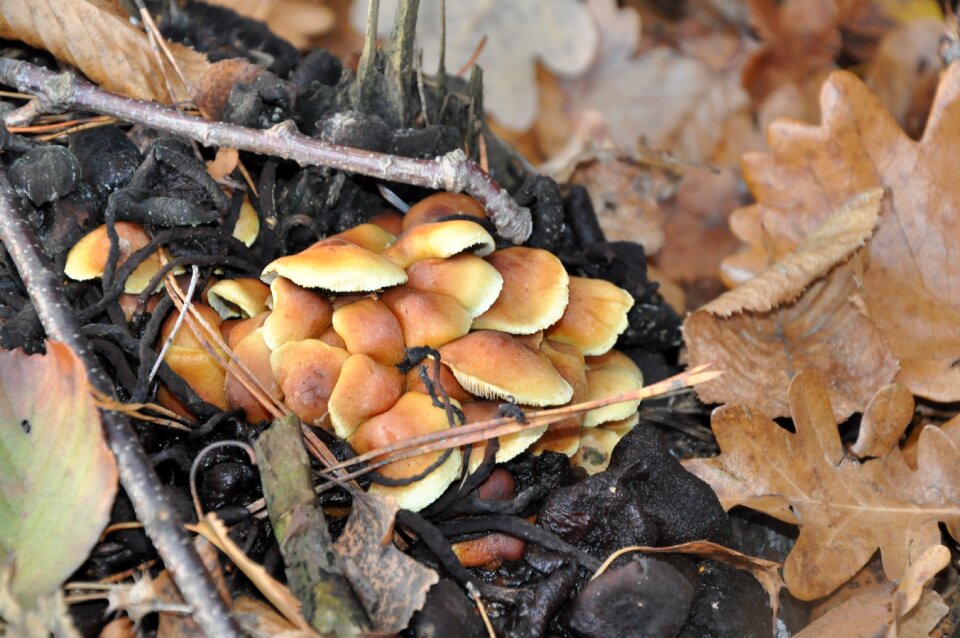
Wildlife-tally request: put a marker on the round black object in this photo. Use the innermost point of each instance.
(45, 174)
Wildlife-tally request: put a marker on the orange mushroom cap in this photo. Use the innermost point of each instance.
(367, 326)
(297, 314)
(307, 371)
(244, 297)
(595, 316)
(564, 436)
(253, 352)
(427, 318)
(440, 205)
(438, 241)
(337, 265)
(87, 259)
(467, 278)
(493, 365)
(365, 389)
(534, 293)
(370, 236)
(511, 445)
(413, 414)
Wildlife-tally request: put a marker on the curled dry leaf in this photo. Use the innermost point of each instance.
(99, 40)
(797, 315)
(390, 585)
(558, 33)
(910, 290)
(57, 476)
(846, 509)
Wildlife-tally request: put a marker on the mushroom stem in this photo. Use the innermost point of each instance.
(453, 171)
(141, 483)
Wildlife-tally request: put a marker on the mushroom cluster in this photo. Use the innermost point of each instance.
(325, 329)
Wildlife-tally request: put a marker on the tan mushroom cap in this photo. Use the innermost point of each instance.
(449, 382)
(370, 236)
(297, 314)
(337, 265)
(606, 382)
(307, 371)
(439, 240)
(615, 359)
(489, 551)
(596, 314)
(238, 298)
(248, 223)
(253, 352)
(185, 336)
(467, 278)
(494, 365)
(440, 205)
(511, 445)
(369, 327)
(596, 447)
(331, 338)
(201, 372)
(365, 389)
(88, 257)
(564, 436)
(427, 318)
(534, 293)
(412, 415)
(233, 330)
(390, 220)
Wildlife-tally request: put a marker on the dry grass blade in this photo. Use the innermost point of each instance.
(484, 430)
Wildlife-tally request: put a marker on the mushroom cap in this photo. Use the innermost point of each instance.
(337, 265)
(489, 551)
(365, 389)
(253, 352)
(467, 278)
(440, 205)
(88, 257)
(596, 447)
(244, 297)
(367, 326)
(412, 415)
(297, 314)
(449, 382)
(201, 372)
(511, 445)
(614, 359)
(605, 382)
(233, 330)
(595, 316)
(494, 365)
(370, 236)
(564, 436)
(185, 336)
(439, 240)
(331, 338)
(427, 318)
(307, 371)
(390, 220)
(248, 223)
(534, 293)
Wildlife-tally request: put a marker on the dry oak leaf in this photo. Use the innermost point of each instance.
(98, 39)
(558, 33)
(846, 509)
(911, 290)
(797, 315)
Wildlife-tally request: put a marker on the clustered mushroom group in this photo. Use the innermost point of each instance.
(324, 330)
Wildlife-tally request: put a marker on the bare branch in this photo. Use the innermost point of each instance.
(160, 520)
(452, 172)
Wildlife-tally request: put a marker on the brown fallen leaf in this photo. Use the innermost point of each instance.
(98, 39)
(846, 509)
(391, 586)
(797, 315)
(910, 291)
(558, 33)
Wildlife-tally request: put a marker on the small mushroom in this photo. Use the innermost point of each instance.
(467, 278)
(253, 352)
(494, 365)
(367, 326)
(369, 236)
(365, 389)
(88, 257)
(449, 382)
(390, 220)
(440, 205)
(607, 376)
(238, 298)
(307, 371)
(595, 316)
(534, 293)
(201, 372)
(233, 330)
(297, 314)
(564, 436)
(438, 241)
(427, 318)
(337, 265)
(413, 414)
(511, 445)
(248, 223)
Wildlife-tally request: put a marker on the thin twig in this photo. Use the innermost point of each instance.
(138, 477)
(452, 172)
